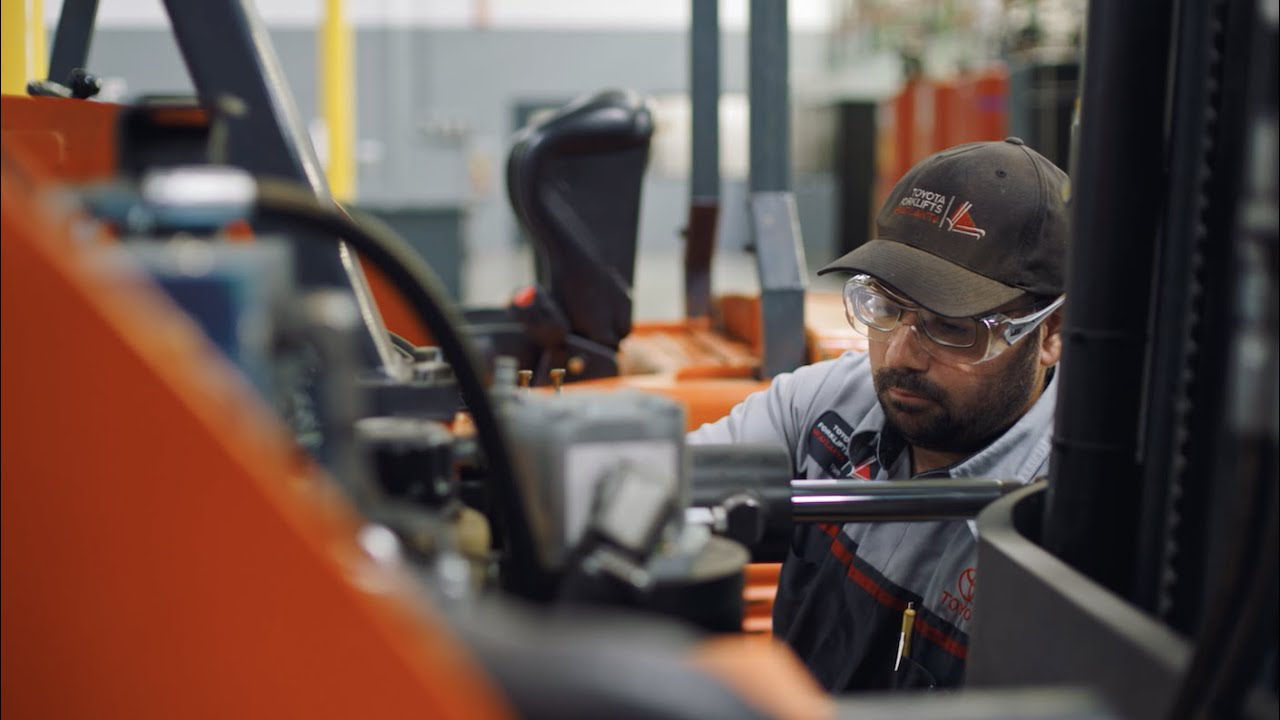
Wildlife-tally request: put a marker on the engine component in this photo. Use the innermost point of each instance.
(411, 458)
(234, 292)
(572, 447)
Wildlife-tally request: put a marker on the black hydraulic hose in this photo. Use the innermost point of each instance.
(424, 292)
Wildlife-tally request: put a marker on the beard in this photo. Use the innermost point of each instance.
(942, 426)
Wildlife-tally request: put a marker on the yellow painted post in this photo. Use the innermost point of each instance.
(13, 47)
(338, 99)
(38, 58)
(23, 55)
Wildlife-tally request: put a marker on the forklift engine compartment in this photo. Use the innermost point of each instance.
(232, 487)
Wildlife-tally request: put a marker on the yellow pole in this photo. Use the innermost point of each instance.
(38, 60)
(13, 47)
(338, 100)
(23, 56)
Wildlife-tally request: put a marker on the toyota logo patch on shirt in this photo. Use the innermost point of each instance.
(828, 444)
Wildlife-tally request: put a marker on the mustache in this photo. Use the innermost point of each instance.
(909, 381)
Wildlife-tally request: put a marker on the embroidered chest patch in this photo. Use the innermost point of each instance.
(828, 444)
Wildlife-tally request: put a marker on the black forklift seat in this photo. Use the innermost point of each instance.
(574, 182)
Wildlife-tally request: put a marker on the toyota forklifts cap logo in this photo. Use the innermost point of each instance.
(951, 214)
(961, 222)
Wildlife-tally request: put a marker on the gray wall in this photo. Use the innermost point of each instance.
(436, 109)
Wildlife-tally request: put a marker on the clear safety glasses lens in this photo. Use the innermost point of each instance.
(874, 314)
(869, 308)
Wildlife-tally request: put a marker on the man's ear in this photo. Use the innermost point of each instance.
(1051, 340)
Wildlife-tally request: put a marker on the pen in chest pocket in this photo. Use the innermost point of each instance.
(904, 636)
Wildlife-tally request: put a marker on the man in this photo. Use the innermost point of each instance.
(957, 294)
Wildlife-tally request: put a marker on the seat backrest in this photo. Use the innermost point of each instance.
(574, 181)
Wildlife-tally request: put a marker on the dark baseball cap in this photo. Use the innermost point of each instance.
(971, 228)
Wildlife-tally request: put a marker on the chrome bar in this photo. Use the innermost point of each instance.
(894, 501)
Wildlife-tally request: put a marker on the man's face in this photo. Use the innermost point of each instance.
(955, 407)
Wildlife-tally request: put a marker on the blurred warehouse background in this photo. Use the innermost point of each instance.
(426, 94)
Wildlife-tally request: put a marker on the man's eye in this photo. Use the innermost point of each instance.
(881, 307)
(950, 329)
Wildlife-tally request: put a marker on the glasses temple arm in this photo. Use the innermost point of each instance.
(1023, 325)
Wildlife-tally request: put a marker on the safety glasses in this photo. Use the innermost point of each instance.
(875, 312)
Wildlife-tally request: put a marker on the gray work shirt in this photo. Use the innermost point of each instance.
(843, 589)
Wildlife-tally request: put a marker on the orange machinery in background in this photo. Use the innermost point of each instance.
(929, 114)
(707, 366)
(166, 550)
(69, 140)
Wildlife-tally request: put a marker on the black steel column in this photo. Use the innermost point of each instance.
(71, 39)
(1189, 351)
(704, 178)
(774, 223)
(1095, 490)
(228, 54)
(1240, 525)
(770, 115)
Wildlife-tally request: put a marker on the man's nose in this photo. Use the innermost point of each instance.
(905, 349)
